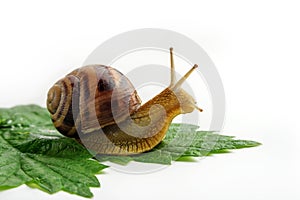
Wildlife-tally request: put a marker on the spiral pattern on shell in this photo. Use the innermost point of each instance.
(87, 92)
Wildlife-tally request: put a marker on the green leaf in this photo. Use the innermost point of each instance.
(25, 116)
(182, 143)
(32, 152)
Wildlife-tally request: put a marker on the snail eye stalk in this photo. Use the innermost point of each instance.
(173, 84)
(196, 107)
(181, 81)
(173, 78)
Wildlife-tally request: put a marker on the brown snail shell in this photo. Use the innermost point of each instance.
(91, 88)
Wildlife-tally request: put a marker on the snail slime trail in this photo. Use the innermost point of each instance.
(85, 101)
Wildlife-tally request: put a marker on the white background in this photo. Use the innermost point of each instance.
(255, 46)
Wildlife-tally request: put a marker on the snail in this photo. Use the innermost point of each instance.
(99, 107)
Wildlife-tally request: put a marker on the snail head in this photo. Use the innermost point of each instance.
(187, 102)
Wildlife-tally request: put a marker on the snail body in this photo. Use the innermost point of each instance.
(98, 106)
